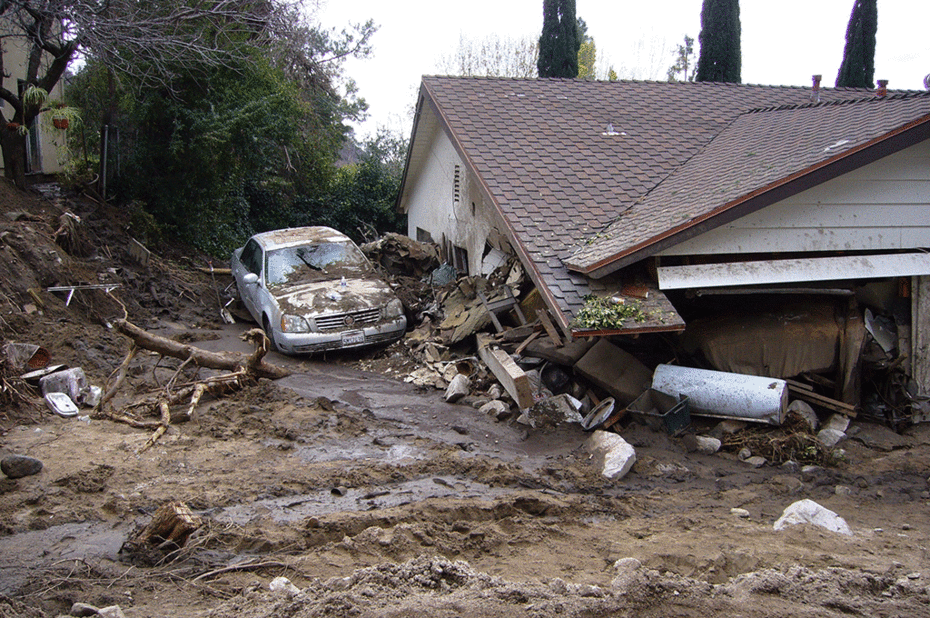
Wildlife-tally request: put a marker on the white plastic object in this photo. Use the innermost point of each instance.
(61, 404)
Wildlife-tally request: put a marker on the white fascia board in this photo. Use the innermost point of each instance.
(794, 270)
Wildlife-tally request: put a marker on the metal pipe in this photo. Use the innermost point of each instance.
(725, 395)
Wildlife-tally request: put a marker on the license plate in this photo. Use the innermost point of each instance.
(353, 338)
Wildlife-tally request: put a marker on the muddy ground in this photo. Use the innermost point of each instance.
(377, 498)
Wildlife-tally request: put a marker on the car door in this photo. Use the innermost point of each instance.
(250, 261)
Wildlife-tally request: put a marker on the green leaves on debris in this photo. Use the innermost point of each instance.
(608, 313)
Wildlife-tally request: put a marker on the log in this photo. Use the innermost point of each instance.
(229, 361)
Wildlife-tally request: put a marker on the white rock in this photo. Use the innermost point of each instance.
(838, 422)
(282, 585)
(830, 437)
(739, 512)
(809, 512)
(113, 611)
(626, 571)
(496, 408)
(805, 411)
(756, 461)
(731, 426)
(744, 454)
(617, 454)
(707, 445)
(458, 387)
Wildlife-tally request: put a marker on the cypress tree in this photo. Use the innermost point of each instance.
(858, 66)
(720, 57)
(559, 42)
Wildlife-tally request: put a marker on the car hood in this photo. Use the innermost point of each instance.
(321, 297)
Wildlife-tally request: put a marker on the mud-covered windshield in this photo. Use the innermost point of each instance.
(316, 262)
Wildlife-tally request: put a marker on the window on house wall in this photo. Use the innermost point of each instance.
(457, 185)
(423, 235)
(460, 259)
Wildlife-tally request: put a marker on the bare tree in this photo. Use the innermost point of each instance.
(492, 56)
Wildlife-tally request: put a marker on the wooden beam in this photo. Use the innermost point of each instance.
(920, 334)
(831, 404)
(550, 328)
(508, 373)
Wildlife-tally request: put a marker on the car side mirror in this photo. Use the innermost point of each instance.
(250, 278)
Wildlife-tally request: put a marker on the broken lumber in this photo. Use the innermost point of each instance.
(800, 392)
(512, 378)
(229, 361)
(543, 316)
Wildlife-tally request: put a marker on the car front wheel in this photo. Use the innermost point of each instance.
(266, 325)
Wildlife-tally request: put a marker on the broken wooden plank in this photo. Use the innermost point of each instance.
(527, 342)
(550, 328)
(796, 384)
(508, 373)
(826, 402)
(138, 252)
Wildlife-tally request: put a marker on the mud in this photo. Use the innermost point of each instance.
(376, 498)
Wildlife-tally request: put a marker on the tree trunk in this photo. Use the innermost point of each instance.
(13, 144)
(229, 361)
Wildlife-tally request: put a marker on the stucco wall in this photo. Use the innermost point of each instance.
(884, 205)
(461, 217)
(51, 140)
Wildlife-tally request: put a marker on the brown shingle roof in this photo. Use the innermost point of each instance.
(544, 151)
(757, 151)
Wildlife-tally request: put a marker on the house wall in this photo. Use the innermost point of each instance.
(884, 205)
(51, 141)
(446, 201)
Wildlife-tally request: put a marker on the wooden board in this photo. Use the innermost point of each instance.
(508, 373)
(800, 392)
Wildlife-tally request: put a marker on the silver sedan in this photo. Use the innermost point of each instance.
(312, 289)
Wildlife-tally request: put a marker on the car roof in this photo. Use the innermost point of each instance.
(294, 236)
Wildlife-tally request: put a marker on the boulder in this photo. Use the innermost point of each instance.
(809, 512)
(18, 466)
(458, 388)
(617, 456)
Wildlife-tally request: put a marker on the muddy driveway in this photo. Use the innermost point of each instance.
(376, 498)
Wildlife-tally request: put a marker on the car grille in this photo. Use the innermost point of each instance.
(338, 321)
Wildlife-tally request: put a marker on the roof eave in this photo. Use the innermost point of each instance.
(843, 163)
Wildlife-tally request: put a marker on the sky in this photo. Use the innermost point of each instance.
(784, 42)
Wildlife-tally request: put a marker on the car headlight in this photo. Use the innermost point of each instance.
(294, 324)
(394, 309)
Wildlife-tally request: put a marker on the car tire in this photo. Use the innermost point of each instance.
(266, 325)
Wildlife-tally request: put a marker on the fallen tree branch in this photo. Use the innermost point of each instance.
(230, 361)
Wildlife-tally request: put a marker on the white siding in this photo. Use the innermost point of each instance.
(884, 205)
(430, 202)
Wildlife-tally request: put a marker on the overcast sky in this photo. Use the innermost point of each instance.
(784, 42)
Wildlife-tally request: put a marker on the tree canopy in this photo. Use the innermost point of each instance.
(560, 41)
(720, 57)
(858, 67)
(250, 139)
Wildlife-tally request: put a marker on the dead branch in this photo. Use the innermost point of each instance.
(120, 376)
(230, 361)
(241, 567)
(162, 427)
(242, 367)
